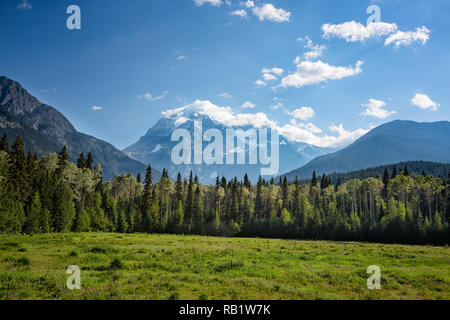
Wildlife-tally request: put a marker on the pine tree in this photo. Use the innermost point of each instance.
(4, 146)
(145, 203)
(110, 209)
(394, 172)
(198, 210)
(151, 218)
(285, 193)
(188, 212)
(259, 208)
(314, 179)
(18, 178)
(63, 156)
(33, 219)
(178, 196)
(81, 162)
(247, 182)
(98, 219)
(148, 181)
(64, 210)
(45, 221)
(405, 172)
(138, 178)
(82, 220)
(89, 161)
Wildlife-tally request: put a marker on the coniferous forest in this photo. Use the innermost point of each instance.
(52, 194)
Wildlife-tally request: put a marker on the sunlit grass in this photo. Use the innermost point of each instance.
(155, 267)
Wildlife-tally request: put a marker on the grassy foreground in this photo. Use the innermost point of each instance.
(154, 267)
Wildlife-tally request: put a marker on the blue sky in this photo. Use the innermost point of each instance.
(135, 59)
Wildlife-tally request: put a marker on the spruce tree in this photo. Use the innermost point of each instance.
(394, 172)
(314, 179)
(247, 182)
(188, 213)
(198, 210)
(18, 178)
(89, 161)
(4, 146)
(64, 210)
(406, 172)
(259, 208)
(33, 218)
(285, 193)
(81, 161)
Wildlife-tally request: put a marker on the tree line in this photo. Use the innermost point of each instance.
(52, 194)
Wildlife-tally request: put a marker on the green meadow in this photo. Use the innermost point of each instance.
(161, 267)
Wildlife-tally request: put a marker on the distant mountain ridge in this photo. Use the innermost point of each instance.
(46, 130)
(397, 141)
(156, 146)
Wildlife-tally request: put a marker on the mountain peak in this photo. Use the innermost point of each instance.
(393, 142)
(46, 130)
(15, 99)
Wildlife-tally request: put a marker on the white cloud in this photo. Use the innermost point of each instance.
(269, 74)
(215, 3)
(375, 109)
(182, 58)
(260, 83)
(222, 115)
(354, 31)
(298, 132)
(401, 38)
(275, 71)
(277, 106)
(269, 77)
(224, 95)
(270, 13)
(248, 4)
(314, 72)
(311, 127)
(25, 5)
(96, 108)
(309, 134)
(304, 113)
(150, 97)
(239, 13)
(248, 105)
(424, 102)
(315, 50)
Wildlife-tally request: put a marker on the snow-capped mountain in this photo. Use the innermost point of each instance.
(156, 146)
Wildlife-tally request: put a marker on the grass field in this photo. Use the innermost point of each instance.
(155, 267)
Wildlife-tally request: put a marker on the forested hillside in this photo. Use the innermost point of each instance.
(412, 167)
(46, 130)
(55, 195)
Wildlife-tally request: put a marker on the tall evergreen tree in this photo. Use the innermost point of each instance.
(138, 178)
(394, 172)
(314, 179)
(406, 172)
(33, 217)
(18, 178)
(247, 182)
(64, 209)
(89, 161)
(188, 213)
(4, 146)
(81, 161)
